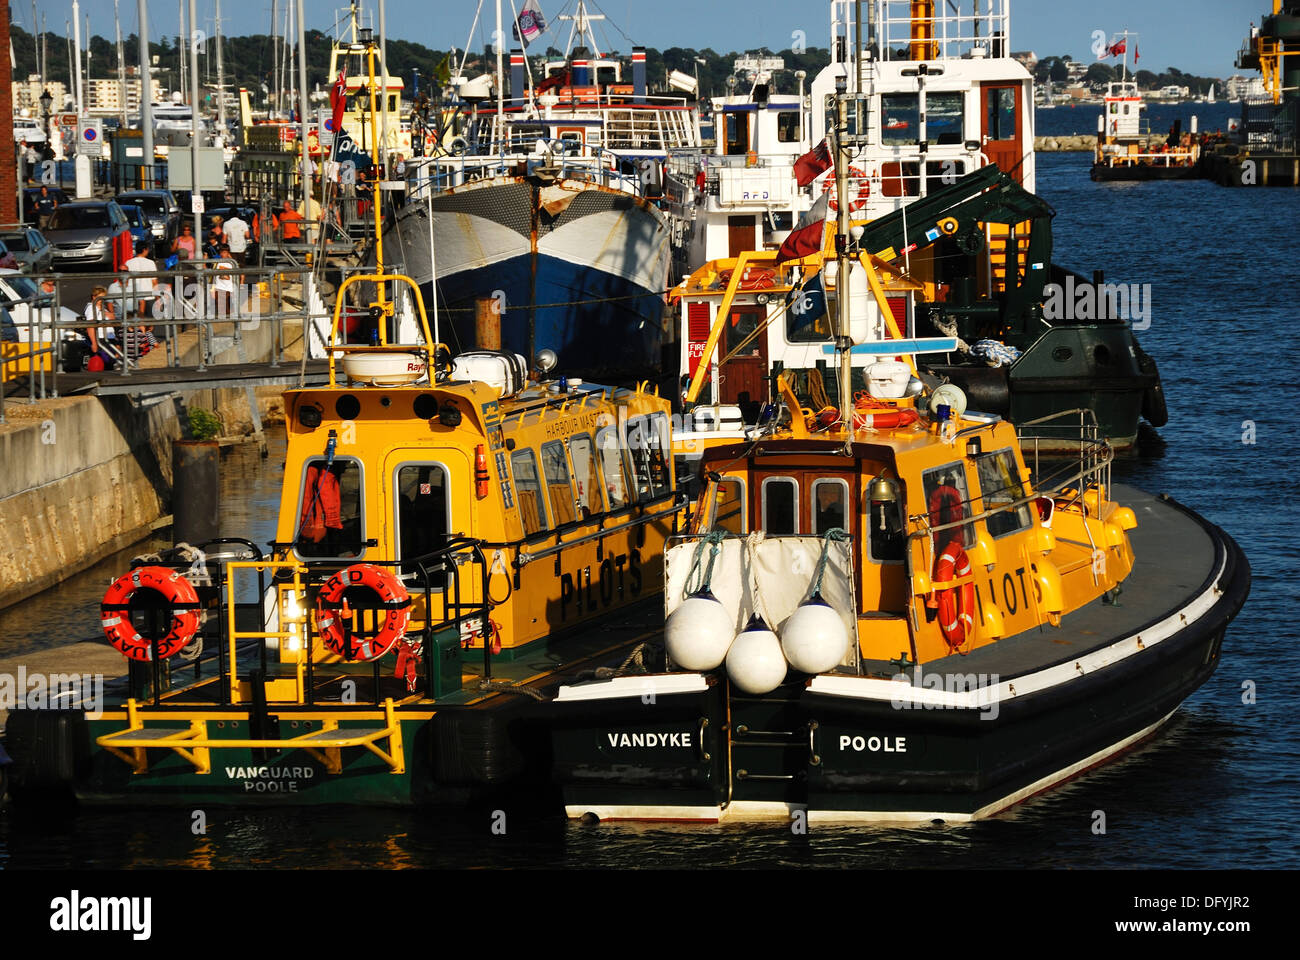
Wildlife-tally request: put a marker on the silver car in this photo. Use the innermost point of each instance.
(83, 233)
(29, 247)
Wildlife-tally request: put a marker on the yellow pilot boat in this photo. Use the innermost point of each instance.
(893, 609)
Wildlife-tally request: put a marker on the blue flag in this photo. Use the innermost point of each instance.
(807, 304)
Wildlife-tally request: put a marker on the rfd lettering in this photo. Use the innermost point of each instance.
(579, 595)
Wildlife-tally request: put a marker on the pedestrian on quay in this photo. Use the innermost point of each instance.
(184, 245)
(237, 232)
(142, 288)
(45, 204)
(223, 292)
(287, 223)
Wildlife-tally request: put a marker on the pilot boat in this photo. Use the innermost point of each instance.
(456, 536)
(895, 609)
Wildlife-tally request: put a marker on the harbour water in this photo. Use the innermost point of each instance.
(1219, 787)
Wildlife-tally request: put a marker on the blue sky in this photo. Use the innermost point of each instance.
(1197, 36)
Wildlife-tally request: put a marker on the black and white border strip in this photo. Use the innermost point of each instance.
(907, 695)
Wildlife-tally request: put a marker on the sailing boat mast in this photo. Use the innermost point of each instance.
(843, 344)
(221, 78)
(180, 44)
(146, 89)
(121, 66)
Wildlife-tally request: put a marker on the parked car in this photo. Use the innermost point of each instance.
(138, 222)
(161, 210)
(21, 296)
(83, 233)
(29, 247)
(31, 196)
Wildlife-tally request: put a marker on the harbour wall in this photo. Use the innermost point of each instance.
(1080, 143)
(82, 477)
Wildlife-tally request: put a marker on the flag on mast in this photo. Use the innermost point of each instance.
(531, 24)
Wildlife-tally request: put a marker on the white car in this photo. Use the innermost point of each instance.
(20, 295)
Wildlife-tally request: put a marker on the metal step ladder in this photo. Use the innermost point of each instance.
(771, 746)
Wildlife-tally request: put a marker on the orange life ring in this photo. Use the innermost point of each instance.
(332, 611)
(859, 201)
(754, 278)
(873, 414)
(115, 612)
(956, 604)
(946, 500)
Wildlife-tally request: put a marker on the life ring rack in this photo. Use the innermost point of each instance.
(181, 600)
(332, 611)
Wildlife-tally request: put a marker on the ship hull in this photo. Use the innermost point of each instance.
(871, 748)
(570, 266)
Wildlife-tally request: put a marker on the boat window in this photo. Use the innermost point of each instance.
(729, 506)
(787, 126)
(830, 498)
(648, 446)
(528, 488)
(586, 471)
(329, 515)
(1000, 485)
(611, 462)
(900, 121)
(1001, 113)
(737, 125)
(947, 499)
(555, 465)
(422, 518)
(943, 117)
(780, 506)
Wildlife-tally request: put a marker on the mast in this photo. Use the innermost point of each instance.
(383, 106)
(221, 78)
(146, 89)
(501, 84)
(843, 344)
(76, 52)
(195, 192)
(273, 94)
(121, 65)
(302, 115)
(181, 46)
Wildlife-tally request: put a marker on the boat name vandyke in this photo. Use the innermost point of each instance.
(650, 739)
(873, 744)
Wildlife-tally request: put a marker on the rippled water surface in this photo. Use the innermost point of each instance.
(1218, 787)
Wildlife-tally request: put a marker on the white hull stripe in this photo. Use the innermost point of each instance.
(662, 685)
(898, 693)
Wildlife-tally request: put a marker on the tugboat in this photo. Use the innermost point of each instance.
(893, 609)
(1121, 152)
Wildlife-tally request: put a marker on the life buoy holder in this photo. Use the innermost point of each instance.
(858, 201)
(332, 612)
(956, 604)
(180, 597)
(754, 278)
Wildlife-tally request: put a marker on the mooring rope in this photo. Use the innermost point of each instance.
(834, 533)
(714, 540)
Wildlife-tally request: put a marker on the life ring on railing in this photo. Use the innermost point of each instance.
(956, 604)
(115, 612)
(859, 201)
(458, 147)
(332, 611)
